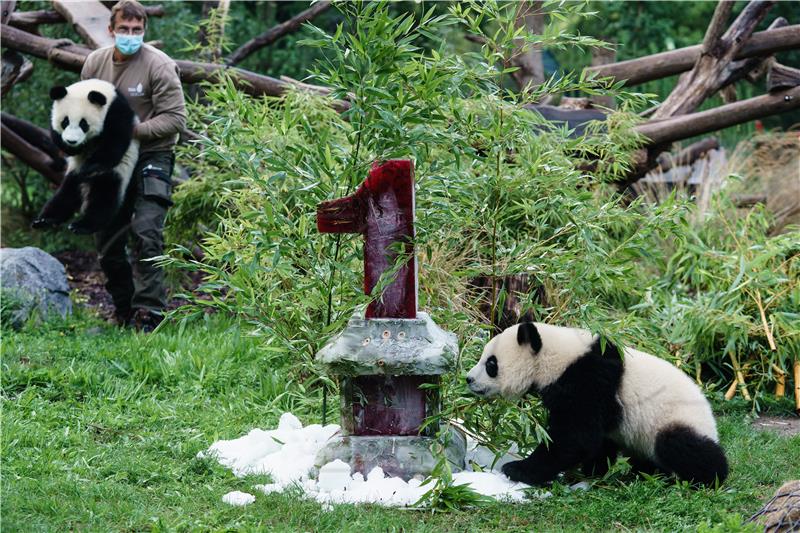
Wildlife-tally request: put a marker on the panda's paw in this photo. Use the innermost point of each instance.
(80, 227)
(521, 471)
(44, 222)
(92, 170)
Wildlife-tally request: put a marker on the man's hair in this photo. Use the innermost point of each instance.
(131, 9)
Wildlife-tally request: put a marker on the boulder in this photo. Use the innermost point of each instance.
(32, 281)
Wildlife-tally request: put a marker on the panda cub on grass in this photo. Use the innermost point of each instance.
(93, 124)
(600, 404)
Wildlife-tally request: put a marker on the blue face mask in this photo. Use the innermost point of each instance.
(128, 44)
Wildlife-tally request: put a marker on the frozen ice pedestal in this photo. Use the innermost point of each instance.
(389, 370)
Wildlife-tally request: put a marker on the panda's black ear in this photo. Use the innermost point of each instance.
(58, 92)
(97, 98)
(528, 334)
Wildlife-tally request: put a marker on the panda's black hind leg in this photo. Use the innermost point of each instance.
(690, 456)
(600, 463)
(102, 204)
(64, 203)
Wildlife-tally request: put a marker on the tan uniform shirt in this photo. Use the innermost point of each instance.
(151, 83)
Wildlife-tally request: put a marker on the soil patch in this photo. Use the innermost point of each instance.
(86, 278)
(785, 426)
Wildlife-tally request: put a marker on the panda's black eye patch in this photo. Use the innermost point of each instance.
(65, 122)
(491, 367)
(84, 125)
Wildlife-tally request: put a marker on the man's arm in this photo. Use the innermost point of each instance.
(169, 109)
(88, 70)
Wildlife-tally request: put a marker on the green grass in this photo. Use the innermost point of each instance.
(101, 428)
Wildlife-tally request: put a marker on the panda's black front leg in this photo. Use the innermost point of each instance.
(64, 203)
(539, 468)
(102, 203)
(575, 440)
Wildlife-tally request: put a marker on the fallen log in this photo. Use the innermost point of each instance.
(664, 64)
(275, 33)
(686, 126)
(69, 56)
(29, 154)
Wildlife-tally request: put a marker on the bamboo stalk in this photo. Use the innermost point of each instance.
(740, 376)
(767, 331)
(780, 378)
(797, 385)
(698, 368)
(731, 390)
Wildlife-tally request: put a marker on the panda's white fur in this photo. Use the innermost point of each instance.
(653, 396)
(93, 124)
(656, 395)
(76, 106)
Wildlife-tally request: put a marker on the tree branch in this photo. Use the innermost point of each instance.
(67, 55)
(718, 51)
(28, 154)
(275, 33)
(47, 16)
(661, 65)
(685, 126)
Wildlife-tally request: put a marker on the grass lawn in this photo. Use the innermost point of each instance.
(101, 428)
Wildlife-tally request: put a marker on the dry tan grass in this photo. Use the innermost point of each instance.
(769, 165)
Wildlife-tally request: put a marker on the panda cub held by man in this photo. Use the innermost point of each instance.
(93, 124)
(600, 403)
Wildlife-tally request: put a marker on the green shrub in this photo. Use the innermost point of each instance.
(498, 193)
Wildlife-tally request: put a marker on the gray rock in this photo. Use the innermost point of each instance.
(32, 281)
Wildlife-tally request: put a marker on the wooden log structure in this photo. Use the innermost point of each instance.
(29, 154)
(7, 10)
(69, 56)
(36, 136)
(688, 155)
(781, 77)
(89, 18)
(718, 51)
(664, 64)
(276, 32)
(685, 126)
(15, 69)
(27, 19)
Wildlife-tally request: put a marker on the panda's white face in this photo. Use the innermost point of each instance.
(526, 355)
(79, 111)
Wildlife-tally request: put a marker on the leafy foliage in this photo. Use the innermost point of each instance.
(500, 192)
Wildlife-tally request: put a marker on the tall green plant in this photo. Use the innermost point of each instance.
(499, 192)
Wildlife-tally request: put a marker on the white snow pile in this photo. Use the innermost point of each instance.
(238, 498)
(287, 455)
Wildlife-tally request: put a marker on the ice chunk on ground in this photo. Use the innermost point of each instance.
(238, 498)
(287, 454)
(494, 485)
